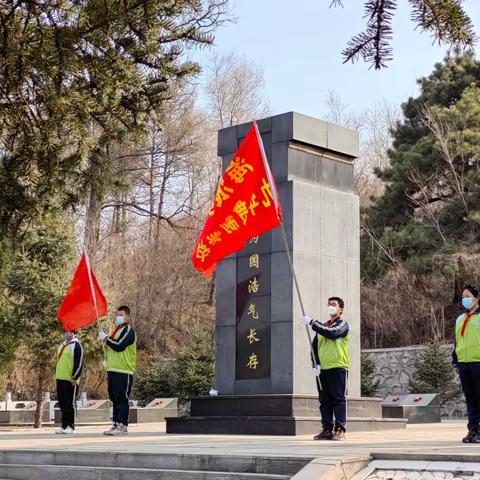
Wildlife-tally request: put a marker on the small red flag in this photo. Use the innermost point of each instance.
(84, 302)
(245, 206)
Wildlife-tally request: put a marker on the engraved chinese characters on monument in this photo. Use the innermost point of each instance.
(253, 311)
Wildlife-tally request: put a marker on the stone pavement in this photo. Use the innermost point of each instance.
(413, 475)
(421, 470)
(428, 438)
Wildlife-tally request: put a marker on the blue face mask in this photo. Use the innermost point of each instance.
(120, 319)
(467, 302)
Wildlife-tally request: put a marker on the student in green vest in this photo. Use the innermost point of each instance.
(67, 374)
(330, 347)
(466, 359)
(121, 363)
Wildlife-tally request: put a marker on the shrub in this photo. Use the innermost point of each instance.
(189, 374)
(434, 374)
(369, 386)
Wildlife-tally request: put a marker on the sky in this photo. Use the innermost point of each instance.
(298, 45)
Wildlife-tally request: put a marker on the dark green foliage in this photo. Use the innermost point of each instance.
(434, 374)
(9, 335)
(34, 287)
(156, 380)
(414, 146)
(424, 210)
(79, 77)
(369, 386)
(189, 374)
(194, 366)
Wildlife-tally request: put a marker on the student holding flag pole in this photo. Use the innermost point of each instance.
(121, 363)
(67, 375)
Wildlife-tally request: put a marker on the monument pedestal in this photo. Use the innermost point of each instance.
(274, 415)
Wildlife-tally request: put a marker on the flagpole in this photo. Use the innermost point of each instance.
(284, 236)
(87, 260)
(94, 296)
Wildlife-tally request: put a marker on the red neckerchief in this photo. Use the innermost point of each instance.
(65, 345)
(465, 322)
(119, 327)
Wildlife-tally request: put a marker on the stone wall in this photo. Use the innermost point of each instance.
(394, 366)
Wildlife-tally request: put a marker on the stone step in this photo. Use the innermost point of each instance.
(269, 425)
(61, 472)
(163, 461)
(277, 406)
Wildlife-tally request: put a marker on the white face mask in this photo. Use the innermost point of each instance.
(331, 310)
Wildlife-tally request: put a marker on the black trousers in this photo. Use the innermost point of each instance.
(332, 394)
(470, 379)
(66, 395)
(119, 390)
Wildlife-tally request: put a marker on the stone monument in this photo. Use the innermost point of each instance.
(263, 370)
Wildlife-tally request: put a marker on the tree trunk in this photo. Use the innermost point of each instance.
(151, 190)
(39, 396)
(211, 292)
(92, 222)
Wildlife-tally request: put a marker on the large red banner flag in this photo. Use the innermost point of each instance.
(84, 302)
(245, 205)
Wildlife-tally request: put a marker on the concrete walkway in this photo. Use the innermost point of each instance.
(151, 438)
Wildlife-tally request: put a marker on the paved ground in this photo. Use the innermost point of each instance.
(430, 438)
(421, 470)
(408, 475)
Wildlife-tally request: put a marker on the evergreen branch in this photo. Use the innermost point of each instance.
(446, 20)
(373, 45)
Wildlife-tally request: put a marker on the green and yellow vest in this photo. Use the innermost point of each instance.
(125, 361)
(467, 347)
(64, 368)
(333, 353)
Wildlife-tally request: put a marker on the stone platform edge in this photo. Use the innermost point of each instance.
(332, 469)
(468, 457)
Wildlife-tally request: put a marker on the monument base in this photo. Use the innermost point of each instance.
(274, 415)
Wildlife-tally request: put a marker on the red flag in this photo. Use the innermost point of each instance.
(245, 206)
(84, 301)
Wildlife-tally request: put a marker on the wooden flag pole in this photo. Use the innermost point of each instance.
(87, 260)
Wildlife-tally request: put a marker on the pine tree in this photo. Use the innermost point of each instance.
(369, 386)
(194, 366)
(434, 374)
(156, 380)
(191, 372)
(419, 182)
(35, 286)
(78, 78)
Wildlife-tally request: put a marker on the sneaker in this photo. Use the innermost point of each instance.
(325, 434)
(339, 434)
(472, 437)
(120, 430)
(65, 431)
(113, 429)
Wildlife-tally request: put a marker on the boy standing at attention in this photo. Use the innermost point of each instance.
(330, 347)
